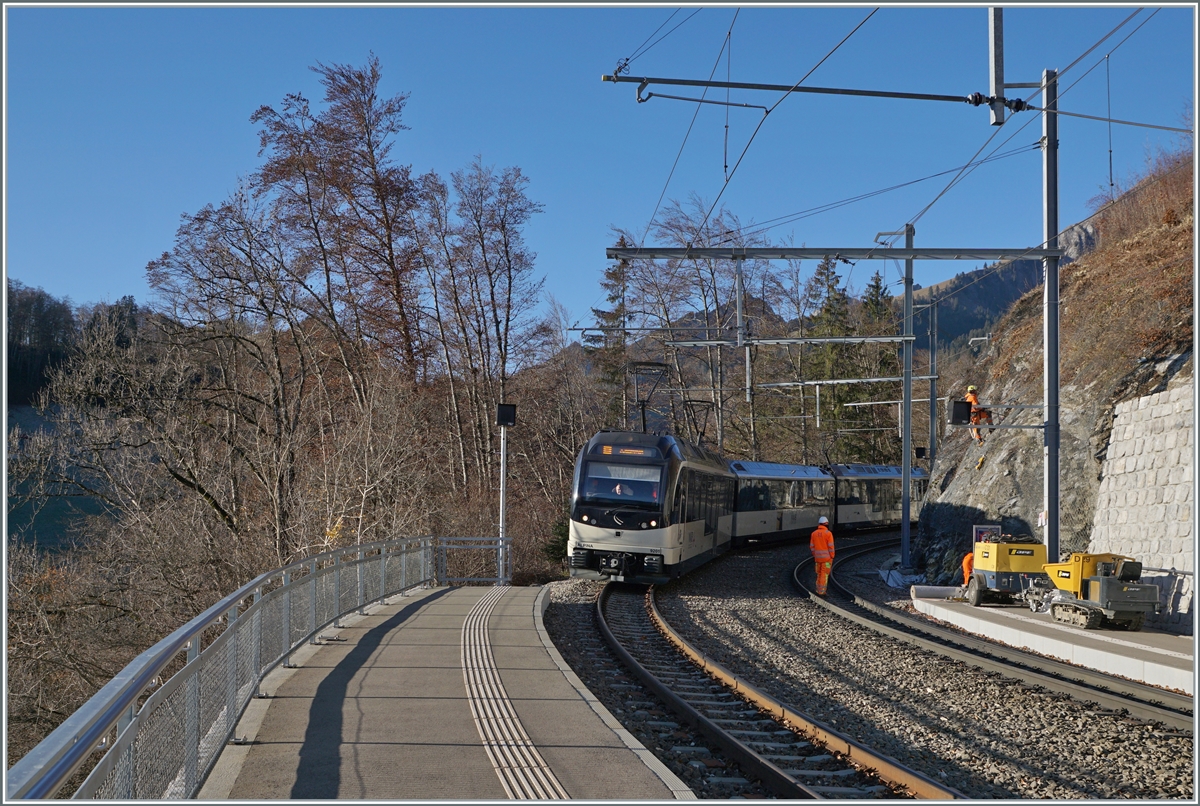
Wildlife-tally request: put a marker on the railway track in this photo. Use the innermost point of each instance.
(792, 755)
(1085, 685)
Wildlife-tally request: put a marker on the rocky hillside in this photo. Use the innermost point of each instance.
(1126, 319)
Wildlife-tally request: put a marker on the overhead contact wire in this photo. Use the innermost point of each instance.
(771, 223)
(970, 166)
(763, 120)
(1032, 95)
(688, 133)
(642, 52)
(1001, 266)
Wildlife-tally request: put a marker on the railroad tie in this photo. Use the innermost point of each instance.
(521, 769)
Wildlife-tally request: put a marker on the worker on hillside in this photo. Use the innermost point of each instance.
(968, 565)
(821, 545)
(978, 414)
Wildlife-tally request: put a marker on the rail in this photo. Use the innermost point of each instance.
(1085, 685)
(163, 746)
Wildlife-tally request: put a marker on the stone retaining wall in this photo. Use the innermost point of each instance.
(1144, 508)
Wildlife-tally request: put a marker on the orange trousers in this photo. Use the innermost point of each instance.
(823, 576)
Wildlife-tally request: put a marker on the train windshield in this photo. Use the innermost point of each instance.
(630, 485)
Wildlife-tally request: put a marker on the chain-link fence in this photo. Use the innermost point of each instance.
(161, 738)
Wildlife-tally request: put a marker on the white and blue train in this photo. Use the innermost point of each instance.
(649, 508)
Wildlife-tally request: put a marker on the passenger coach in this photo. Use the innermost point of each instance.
(869, 496)
(779, 502)
(647, 508)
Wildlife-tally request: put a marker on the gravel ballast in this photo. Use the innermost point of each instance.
(983, 734)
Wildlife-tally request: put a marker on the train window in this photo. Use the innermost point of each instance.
(754, 496)
(693, 496)
(886, 498)
(779, 494)
(626, 484)
(706, 510)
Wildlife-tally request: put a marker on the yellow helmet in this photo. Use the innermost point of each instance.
(970, 388)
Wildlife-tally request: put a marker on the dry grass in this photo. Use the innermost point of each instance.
(1129, 300)
(1162, 195)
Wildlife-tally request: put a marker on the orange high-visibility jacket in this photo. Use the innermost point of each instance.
(821, 544)
(978, 413)
(968, 566)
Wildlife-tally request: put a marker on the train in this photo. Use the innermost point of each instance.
(649, 507)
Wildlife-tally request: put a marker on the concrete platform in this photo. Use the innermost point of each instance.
(1152, 657)
(447, 693)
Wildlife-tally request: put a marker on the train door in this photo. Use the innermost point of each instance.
(691, 527)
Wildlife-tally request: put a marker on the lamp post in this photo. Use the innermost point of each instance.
(506, 416)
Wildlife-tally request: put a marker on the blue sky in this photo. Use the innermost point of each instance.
(120, 119)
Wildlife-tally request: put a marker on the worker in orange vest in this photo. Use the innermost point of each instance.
(968, 565)
(821, 545)
(978, 413)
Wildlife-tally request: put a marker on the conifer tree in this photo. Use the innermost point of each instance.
(608, 347)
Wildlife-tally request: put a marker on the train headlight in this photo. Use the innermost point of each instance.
(653, 524)
(583, 518)
(644, 524)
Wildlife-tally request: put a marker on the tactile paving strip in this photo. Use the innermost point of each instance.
(523, 772)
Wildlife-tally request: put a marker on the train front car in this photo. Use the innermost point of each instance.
(778, 502)
(869, 496)
(647, 508)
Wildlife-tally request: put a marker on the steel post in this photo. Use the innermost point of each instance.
(996, 62)
(191, 721)
(337, 591)
(126, 722)
(257, 641)
(362, 591)
(383, 588)
(503, 500)
(1050, 312)
(287, 620)
(906, 423)
(312, 601)
(231, 669)
(933, 409)
(741, 318)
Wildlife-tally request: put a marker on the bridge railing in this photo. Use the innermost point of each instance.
(164, 745)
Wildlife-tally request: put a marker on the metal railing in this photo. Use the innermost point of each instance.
(1168, 571)
(165, 745)
(500, 548)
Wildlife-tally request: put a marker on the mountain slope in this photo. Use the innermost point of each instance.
(1126, 330)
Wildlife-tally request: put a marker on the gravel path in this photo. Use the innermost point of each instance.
(980, 733)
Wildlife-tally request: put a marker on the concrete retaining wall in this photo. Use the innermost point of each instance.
(1145, 507)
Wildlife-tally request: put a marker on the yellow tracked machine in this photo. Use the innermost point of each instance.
(1088, 590)
(1094, 589)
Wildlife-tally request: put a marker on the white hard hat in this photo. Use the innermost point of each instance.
(823, 519)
